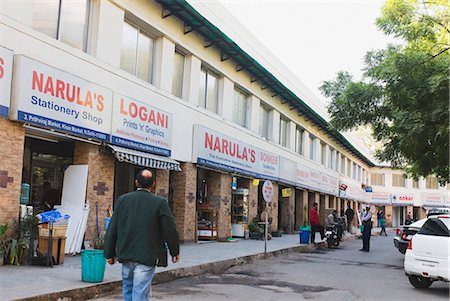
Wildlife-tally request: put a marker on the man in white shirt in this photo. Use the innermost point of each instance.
(367, 223)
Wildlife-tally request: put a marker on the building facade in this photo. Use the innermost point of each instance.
(120, 85)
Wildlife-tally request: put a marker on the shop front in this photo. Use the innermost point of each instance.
(402, 207)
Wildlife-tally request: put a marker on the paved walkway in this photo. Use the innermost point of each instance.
(27, 281)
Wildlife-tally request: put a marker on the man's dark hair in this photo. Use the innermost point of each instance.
(145, 181)
(315, 205)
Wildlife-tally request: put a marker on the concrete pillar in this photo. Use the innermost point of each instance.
(338, 207)
(100, 183)
(389, 214)
(164, 63)
(220, 193)
(422, 213)
(274, 207)
(301, 200)
(287, 212)
(191, 80)
(322, 207)
(355, 209)
(274, 126)
(226, 98)
(12, 135)
(291, 135)
(107, 28)
(184, 185)
(253, 202)
(254, 113)
(327, 201)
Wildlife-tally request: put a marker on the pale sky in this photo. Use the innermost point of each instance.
(314, 39)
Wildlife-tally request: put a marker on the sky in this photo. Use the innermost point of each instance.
(315, 39)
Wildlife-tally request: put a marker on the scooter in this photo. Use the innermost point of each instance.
(331, 234)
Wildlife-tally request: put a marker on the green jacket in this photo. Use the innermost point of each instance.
(141, 223)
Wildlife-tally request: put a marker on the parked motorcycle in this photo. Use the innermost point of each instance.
(331, 234)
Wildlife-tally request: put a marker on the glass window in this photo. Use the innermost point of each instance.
(284, 131)
(323, 153)
(435, 227)
(64, 20)
(312, 147)
(137, 52)
(349, 168)
(264, 121)
(209, 91)
(332, 158)
(240, 108)
(431, 182)
(299, 143)
(398, 180)
(377, 179)
(343, 164)
(178, 74)
(354, 171)
(359, 173)
(336, 162)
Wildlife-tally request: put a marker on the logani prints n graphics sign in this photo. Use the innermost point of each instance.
(51, 98)
(6, 63)
(222, 152)
(140, 126)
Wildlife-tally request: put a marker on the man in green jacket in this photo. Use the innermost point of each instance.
(141, 226)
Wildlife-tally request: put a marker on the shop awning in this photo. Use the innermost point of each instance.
(144, 159)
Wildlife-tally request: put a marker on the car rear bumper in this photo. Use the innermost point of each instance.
(435, 270)
(400, 244)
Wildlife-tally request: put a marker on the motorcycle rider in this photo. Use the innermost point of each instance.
(332, 221)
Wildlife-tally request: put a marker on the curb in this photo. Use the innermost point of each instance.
(113, 287)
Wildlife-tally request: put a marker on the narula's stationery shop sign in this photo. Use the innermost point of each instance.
(51, 98)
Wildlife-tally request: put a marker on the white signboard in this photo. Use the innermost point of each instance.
(268, 191)
(433, 199)
(314, 179)
(222, 152)
(302, 176)
(140, 126)
(402, 199)
(288, 171)
(55, 99)
(6, 63)
(380, 198)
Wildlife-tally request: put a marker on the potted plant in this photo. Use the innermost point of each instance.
(4, 242)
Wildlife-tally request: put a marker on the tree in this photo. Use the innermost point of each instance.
(404, 93)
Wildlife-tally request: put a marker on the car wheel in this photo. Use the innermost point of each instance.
(420, 282)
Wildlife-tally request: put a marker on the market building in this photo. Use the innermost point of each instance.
(116, 86)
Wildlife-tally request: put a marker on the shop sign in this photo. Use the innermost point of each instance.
(302, 176)
(51, 98)
(380, 198)
(329, 184)
(288, 171)
(433, 199)
(222, 152)
(286, 192)
(314, 179)
(268, 191)
(140, 126)
(399, 199)
(6, 63)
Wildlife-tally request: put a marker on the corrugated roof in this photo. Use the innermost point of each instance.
(194, 21)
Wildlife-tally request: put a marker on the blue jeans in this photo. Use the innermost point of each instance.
(136, 281)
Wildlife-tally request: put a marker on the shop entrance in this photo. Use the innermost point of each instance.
(44, 164)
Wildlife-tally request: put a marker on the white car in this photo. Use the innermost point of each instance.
(427, 255)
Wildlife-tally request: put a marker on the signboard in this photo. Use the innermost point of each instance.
(216, 150)
(268, 191)
(380, 198)
(402, 199)
(6, 63)
(432, 199)
(288, 171)
(302, 176)
(140, 126)
(286, 192)
(51, 98)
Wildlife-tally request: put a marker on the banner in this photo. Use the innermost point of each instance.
(380, 198)
(432, 199)
(402, 199)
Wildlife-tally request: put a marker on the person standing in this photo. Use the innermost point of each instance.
(367, 223)
(349, 213)
(314, 220)
(382, 223)
(140, 228)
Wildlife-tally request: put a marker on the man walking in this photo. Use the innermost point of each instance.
(314, 220)
(141, 226)
(367, 231)
(349, 213)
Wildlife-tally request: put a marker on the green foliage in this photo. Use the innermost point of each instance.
(4, 241)
(404, 94)
(20, 242)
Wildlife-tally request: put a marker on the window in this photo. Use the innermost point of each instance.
(336, 162)
(209, 91)
(178, 74)
(323, 153)
(63, 20)
(343, 164)
(284, 131)
(359, 173)
(240, 108)
(398, 180)
(415, 183)
(377, 179)
(354, 171)
(349, 168)
(312, 147)
(299, 142)
(264, 121)
(431, 182)
(137, 52)
(435, 227)
(332, 158)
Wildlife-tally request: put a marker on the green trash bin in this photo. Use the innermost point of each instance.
(93, 263)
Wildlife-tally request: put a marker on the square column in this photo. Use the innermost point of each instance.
(253, 202)
(184, 185)
(274, 207)
(287, 212)
(301, 201)
(388, 213)
(220, 193)
(164, 62)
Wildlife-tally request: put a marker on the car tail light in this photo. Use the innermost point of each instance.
(410, 244)
(398, 231)
(404, 236)
(443, 217)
